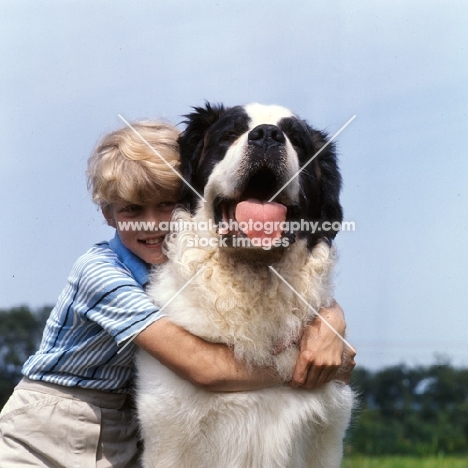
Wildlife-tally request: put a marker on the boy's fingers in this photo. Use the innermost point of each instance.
(344, 372)
(310, 374)
(299, 376)
(320, 375)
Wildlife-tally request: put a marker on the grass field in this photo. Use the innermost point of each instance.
(404, 462)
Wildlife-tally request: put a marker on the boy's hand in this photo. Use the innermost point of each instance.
(323, 355)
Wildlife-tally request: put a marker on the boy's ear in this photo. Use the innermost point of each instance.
(107, 213)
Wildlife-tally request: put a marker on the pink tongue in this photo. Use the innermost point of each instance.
(260, 219)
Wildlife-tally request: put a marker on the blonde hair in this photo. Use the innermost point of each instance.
(124, 167)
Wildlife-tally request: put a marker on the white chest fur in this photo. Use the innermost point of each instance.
(255, 311)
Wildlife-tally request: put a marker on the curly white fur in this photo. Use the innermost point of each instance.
(246, 306)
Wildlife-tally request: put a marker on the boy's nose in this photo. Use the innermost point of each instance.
(155, 215)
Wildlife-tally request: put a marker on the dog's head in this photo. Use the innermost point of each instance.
(263, 164)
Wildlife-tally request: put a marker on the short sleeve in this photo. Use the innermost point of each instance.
(110, 297)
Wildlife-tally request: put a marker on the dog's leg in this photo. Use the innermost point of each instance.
(325, 449)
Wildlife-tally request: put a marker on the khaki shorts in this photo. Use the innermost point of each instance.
(46, 425)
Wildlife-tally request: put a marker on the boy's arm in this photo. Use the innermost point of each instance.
(211, 366)
(324, 355)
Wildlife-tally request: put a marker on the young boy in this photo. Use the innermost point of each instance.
(73, 406)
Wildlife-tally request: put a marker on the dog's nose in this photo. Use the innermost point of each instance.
(267, 136)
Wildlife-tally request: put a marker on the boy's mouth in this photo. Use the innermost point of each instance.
(153, 241)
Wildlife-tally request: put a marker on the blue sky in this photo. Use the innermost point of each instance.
(69, 69)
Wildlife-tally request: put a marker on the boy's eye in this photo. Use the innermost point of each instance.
(167, 206)
(131, 208)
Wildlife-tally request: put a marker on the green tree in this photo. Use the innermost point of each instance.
(20, 334)
(420, 411)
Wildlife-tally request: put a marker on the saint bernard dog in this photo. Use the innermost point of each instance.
(251, 268)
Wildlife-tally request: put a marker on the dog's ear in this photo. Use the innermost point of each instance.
(191, 142)
(328, 181)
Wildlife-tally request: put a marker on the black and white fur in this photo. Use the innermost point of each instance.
(229, 155)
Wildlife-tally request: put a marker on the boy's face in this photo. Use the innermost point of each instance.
(138, 227)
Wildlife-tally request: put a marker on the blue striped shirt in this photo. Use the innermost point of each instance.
(103, 305)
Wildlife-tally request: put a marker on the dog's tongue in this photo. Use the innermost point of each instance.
(263, 219)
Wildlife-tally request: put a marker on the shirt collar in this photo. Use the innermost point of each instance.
(136, 265)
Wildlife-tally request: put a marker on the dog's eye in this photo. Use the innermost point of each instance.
(230, 136)
(294, 133)
(296, 141)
